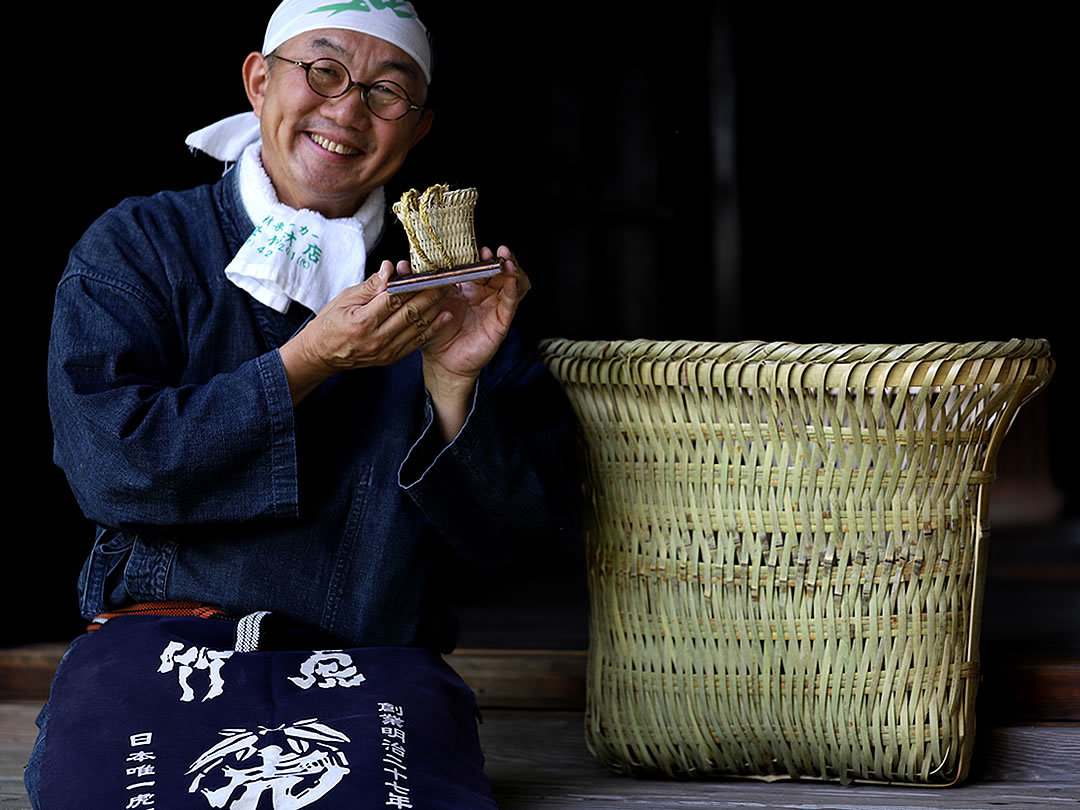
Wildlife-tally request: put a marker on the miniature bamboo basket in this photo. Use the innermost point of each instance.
(440, 225)
(787, 551)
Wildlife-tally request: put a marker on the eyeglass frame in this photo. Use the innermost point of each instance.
(364, 88)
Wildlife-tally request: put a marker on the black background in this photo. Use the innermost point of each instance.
(897, 176)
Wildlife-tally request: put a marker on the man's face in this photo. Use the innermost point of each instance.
(327, 154)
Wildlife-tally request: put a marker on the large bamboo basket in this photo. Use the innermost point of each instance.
(787, 550)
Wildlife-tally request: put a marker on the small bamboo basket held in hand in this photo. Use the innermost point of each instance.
(787, 550)
(440, 226)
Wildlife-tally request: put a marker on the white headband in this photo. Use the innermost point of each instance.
(392, 21)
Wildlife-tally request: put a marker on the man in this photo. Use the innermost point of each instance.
(237, 450)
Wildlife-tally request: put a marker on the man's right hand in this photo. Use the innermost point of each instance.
(363, 326)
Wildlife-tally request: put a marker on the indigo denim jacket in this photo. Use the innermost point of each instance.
(174, 426)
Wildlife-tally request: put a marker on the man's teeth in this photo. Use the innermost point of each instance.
(333, 146)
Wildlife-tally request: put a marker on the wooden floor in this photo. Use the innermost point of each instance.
(538, 761)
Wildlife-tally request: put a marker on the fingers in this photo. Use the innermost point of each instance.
(510, 268)
(405, 322)
(366, 325)
(374, 284)
(504, 291)
(418, 334)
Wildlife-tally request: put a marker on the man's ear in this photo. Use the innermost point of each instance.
(256, 75)
(423, 126)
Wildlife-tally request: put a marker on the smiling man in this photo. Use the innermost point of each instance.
(250, 420)
(329, 154)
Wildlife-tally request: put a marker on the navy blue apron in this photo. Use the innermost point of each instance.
(185, 712)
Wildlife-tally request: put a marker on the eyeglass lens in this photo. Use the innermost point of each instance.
(330, 78)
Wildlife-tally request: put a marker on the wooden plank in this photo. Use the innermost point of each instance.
(803, 796)
(17, 735)
(1027, 754)
(1044, 690)
(537, 761)
(524, 679)
(26, 672)
(540, 745)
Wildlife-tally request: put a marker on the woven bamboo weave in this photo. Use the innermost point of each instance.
(440, 226)
(787, 550)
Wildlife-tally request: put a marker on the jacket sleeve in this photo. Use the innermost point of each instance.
(138, 445)
(508, 482)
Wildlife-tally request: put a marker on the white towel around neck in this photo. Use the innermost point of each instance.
(299, 255)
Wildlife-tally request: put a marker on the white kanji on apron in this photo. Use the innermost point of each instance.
(186, 661)
(298, 764)
(328, 668)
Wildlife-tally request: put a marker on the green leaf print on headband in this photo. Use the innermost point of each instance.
(397, 6)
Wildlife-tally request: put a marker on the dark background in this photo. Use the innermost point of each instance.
(663, 170)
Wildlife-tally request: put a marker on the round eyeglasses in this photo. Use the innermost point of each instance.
(331, 79)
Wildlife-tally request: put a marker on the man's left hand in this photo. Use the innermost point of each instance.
(481, 313)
